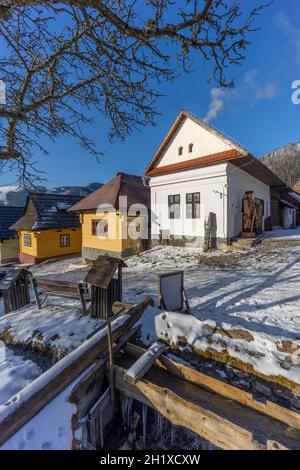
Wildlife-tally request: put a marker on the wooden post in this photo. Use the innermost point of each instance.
(111, 361)
(36, 294)
(81, 291)
(120, 282)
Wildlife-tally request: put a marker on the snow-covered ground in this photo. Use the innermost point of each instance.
(287, 234)
(15, 373)
(55, 329)
(67, 269)
(260, 290)
(257, 291)
(159, 257)
(50, 429)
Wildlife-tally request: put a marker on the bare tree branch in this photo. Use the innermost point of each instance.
(108, 55)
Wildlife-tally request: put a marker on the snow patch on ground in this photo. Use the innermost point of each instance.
(50, 429)
(15, 373)
(259, 350)
(55, 329)
(69, 268)
(161, 256)
(284, 234)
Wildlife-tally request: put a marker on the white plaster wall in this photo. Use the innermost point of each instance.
(289, 215)
(238, 182)
(209, 181)
(205, 143)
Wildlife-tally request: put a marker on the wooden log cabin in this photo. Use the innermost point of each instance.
(46, 229)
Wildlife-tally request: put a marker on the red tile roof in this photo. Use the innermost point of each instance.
(195, 162)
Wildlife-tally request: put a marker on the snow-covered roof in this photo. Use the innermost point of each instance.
(46, 211)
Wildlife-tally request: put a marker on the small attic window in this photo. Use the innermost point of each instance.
(191, 148)
(180, 150)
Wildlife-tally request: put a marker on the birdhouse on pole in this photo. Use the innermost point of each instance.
(105, 278)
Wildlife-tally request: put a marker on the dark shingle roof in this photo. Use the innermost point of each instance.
(48, 211)
(8, 216)
(122, 185)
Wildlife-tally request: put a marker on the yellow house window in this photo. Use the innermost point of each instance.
(27, 239)
(100, 227)
(64, 240)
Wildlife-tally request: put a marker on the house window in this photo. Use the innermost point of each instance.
(174, 206)
(100, 228)
(180, 150)
(191, 148)
(64, 240)
(27, 239)
(193, 206)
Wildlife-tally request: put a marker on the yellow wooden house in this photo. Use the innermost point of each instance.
(9, 243)
(46, 229)
(115, 218)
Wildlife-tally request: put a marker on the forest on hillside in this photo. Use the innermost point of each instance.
(285, 162)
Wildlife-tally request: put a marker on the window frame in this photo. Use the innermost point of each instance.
(94, 224)
(191, 145)
(27, 236)
(172, 204)
(194, 204)
(66, 236)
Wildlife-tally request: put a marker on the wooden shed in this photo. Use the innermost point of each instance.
(15, 289)
(105, 278)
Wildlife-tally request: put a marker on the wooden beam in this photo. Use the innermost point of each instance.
(143, 364)
(269, 408)
(180, 412)
(30, 400)
(224, 423)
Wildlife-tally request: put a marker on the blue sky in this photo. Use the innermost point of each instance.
(258, 113)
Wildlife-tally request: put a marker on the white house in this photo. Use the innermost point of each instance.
(198, 170)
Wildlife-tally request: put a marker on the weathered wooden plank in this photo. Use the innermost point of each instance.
(36, 294)
(103, 270)
(281, 413)
(181, 412)
(119, 307)
(30, 400)
(225, 423)
(143, 364)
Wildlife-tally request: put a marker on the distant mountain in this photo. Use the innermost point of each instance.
(285, 162)
(14, 196)
(76, 190)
